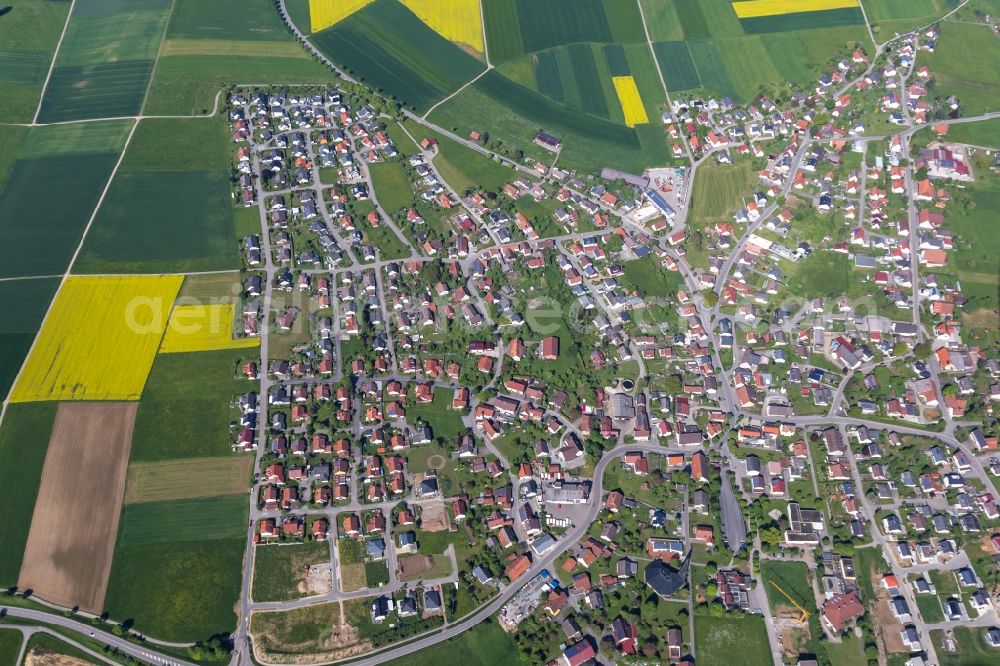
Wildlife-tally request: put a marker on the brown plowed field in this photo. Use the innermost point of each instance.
(72, 538)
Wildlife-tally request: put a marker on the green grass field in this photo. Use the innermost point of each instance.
(24, 439)
(28, 37)
(24, 303)
(392, 186)
(977, 88)
(388, 48)
(982, 133)
(192, 594)
(848, 652)
(104, 136)
(444, 422)
(11, 140)
(10, 646)
(177, 521)
(226, 19)
(279, 570)
(188, 84)
(169, 144)
(717, 639)
(650, 279)
(891, 16)
(718, 190)
(977, 248)
(792, 577)
(485, 645)
(185, 396)
(376, 573)
(462, 167)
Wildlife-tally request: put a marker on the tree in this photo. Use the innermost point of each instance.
(711, 590)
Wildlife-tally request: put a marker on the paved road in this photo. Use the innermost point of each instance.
(142, 653)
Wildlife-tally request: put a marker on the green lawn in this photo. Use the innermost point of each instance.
(982, 133)
(278, 570)
(24, 439)
(792, 577)
(930, 608)
(184, 591)
(717, 639)
(445, 423)
(972, 648)
(376, 573)
(654, 282)
(417, 457)
(183, 412)
(848, 652)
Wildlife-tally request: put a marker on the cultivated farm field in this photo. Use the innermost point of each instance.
(195, 328)
(68, 553)
(24, 440)
(74, 161)
(393, 51)
(99, 340)
(175, 521)
(169, 208)
(977, 88)
(209, 45)
(187, 478)
(23, 303)
(185, 397)
(106, 58)
(28, 37)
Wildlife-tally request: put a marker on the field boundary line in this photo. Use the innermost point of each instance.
(69, 271)
(21, 278)
(52, 65)
(464, 86)
(156, 60)
(482, 24)
(663, 81)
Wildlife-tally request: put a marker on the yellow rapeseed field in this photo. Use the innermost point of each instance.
(757, 8)
(99, 340)
(455, 20)
(631, 101)
(194, 328)
(324, 13)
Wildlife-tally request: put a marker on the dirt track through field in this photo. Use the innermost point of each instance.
(72, 538)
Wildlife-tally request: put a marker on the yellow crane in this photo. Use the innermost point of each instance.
(805, 614)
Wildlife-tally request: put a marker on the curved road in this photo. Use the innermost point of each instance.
(139, 652)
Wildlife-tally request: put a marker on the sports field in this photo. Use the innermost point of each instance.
(105, 60)
(68, 554)
(187, 478)
(387, 47)
(99, 340)
(28, 37)
(195, 328)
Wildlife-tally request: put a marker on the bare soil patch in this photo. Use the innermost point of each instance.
(38, 657)
(433, 517)
(889, 626)
(436, 461)
(325, 636)
(412, 566)
(71, 542)
(188, 478)
(317, 579)
(981, 318)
